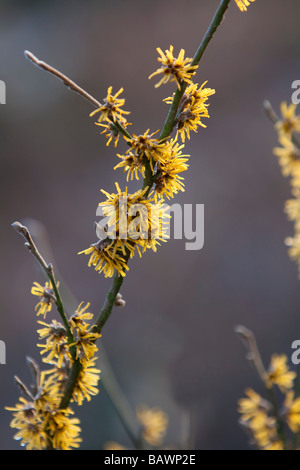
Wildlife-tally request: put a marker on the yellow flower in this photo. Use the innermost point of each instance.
(154, 422)
(46, 296)
(145, 145)
(87, 382)
(277, 444)
(252, 406)
(292, 411)
(193, 108)
(32, 435)
(135, 223)
(243, 4)
(264, 432)
(48, 393)
(112, 445)
(56, 342)
(111, 131)
(64, 431)
(255, 418)
(30, 415)
(200, 94)
(292, 209)
(279, 373)
(84, 336)
(24, 411)
(77, 320)
(169, 182)
(85, 344)
(133, 164)
(290, 122)
(174, 69)
(191, 118)
(295, 175)
(288, 156)
(105, 261)
(111, 108)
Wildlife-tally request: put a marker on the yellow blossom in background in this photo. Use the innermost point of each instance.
(279, 373)
(112, 445)
(174, 69)
(290, 122)
(252, 406)
(292, 209)
(111, 108)
(265, 434)
(256, 420)
(288, 156)
(289, 160)
(276, 444)
(243, 4)
(46, 296)
(295, 176)
(154, 422)
(292, 411)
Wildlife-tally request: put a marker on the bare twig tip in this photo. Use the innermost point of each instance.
(21, 229)
(242, 331)
(17, 226)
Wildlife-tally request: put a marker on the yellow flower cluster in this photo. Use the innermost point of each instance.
(261, 418)
(288, 128)
(40, 421)
(154, 424)
(138, 221)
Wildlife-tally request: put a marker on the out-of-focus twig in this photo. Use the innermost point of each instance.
(271, 114)
(253, 354)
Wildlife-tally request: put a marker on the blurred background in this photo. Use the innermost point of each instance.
(173, 345)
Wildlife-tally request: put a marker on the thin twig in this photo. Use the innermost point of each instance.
(253, 353)
(270, 112)
(48, 269)
(72, 86)
(66, 80)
